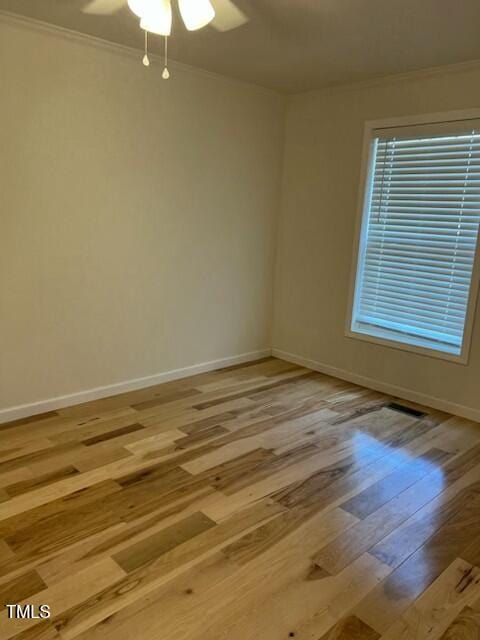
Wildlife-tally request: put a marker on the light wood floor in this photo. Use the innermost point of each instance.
(259, 502)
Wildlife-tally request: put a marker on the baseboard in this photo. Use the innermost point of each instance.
(400, 392)
(59, 402)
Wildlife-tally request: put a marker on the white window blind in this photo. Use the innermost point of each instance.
(419, 236)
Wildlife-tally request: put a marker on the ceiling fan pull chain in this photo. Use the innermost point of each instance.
(166, 72)
(146, 59)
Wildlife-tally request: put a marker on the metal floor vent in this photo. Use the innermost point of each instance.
(407, 410)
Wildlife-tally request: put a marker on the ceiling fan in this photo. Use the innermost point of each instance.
(223, 15)
(156, 17)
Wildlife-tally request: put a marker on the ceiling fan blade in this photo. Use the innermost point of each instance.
(103, 7)
(227, 16)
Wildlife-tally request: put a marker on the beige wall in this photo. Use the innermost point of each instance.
(137, 216)
(320, 196)
(137, 220)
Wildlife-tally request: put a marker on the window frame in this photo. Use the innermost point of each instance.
(361, 232)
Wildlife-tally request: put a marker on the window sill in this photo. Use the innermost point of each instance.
(420, 346)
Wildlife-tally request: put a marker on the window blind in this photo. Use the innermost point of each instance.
(419, 237)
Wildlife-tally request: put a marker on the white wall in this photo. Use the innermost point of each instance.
(320, 196)
(137, 216)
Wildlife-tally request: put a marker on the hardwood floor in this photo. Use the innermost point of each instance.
(263, 501)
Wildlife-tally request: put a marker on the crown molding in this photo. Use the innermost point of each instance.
(85, 39)
(389, 79)
(113, 47)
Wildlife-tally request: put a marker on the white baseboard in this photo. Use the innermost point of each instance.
(59, 402)
(52, 404)
(400, 392)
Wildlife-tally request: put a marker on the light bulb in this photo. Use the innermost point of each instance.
(158, 19)
(196, 13)
(166, 74)
(146, 60)
(141, 7)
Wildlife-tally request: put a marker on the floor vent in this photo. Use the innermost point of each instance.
(407, 410)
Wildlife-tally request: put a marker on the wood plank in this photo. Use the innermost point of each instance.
(465, 627)
(472, 552)
(306, 608)
(165, 399)
(351, 628)
(297, 378)
(278, 501)
(20, 588)
(143, 581)
(119, 537)
(65, 595)
(14, 476)
(373, 528)
(39, 417)
(368, 501)
(433, 612)
(110, 435)
(45, 454)
(22, 451)
(148, 550)
(42, 631)
(227, 592)
(24, 486)
(399, 545)
(199, 437)
(263, 538)
(391, 598)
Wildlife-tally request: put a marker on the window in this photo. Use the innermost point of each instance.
(416, 277)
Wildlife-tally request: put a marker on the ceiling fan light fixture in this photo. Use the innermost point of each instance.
(158, 18)
(196, 13)
(141, 7)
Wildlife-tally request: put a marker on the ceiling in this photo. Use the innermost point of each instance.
(298, 45)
